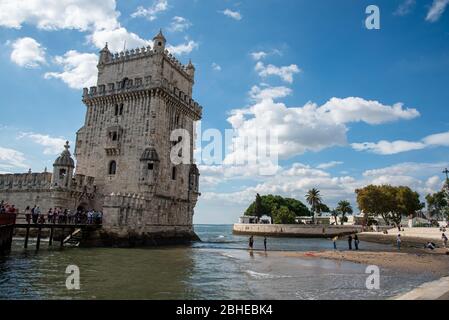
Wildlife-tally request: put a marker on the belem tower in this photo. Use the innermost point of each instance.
(123, 166)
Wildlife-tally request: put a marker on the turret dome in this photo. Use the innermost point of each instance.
(65, 159)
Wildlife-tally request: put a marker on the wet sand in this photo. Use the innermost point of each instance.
(409, 260)
(435, 262)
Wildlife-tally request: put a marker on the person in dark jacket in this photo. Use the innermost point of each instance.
(356, 242)
(350, 242)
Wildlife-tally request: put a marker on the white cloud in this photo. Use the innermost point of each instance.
(82, 15)
(405, 7)
(216, 66)
(179, 24)
(27, 53)
(152, 12)
(307, 128)
(183, 48)
(436, 10)
(52, 145)
(11, 159)
(285, 73)
(273, 93)
(232, 14)
(407, 168)
(296, 180)
(353, 109)
(439, 139)
(393, 147)
(258, 55)
(388, 148)
(79, 69)
(329, 165)
(116, 39)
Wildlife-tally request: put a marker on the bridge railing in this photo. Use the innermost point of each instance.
(7, 219)
(21, 219)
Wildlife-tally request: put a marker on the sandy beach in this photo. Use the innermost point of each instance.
(409, 260)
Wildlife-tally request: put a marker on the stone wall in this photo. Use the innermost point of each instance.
(300, 231)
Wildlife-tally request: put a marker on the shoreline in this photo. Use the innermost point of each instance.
(411, 260)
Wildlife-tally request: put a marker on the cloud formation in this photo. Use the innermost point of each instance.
(28, 53)
(307, 128)
(436, 10)
(83, 15)
(285, 73)
(232, 14)
(52, 145)
(179, 24)
(393, 147)
(151, 13)
(79, 70)
(183, 48)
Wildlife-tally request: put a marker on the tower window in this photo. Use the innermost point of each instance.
(121, 109)
(150, 166)
(159, 43)
(112, 168)
(116, 110)
(114, 136)
(62, 173)
(173, 173)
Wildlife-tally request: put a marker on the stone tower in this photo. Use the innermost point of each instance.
(142, 95)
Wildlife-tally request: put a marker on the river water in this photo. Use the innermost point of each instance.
(220, 267)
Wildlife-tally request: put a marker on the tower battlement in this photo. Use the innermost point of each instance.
(137, 85)
(142, 53)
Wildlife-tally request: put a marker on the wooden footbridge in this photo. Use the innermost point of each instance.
(68, 234)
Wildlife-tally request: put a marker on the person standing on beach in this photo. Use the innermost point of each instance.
(356, 242)
(398, 241)
(444, 238)
(334, 240)
(265, 243)
(350, 242)
(251, 242)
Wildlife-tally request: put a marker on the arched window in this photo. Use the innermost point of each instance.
(112, 168)
(121, 109)
(114, 136)
(124, 82)
(173, 173)
(116, 110)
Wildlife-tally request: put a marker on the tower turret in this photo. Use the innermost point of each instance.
(190, 69)
(63, 169)
(105, 55)
(159, 42)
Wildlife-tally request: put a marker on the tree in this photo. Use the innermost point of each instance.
(407, 203)
(344, 208)
(258, 211)
(269, 204)
(313, 198)
(374, 202)
(284, 216)
(437, 204)
(392, 203)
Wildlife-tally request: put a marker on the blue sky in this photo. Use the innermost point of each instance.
(351, 106)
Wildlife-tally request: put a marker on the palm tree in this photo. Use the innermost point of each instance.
(313, 198)
(344, 207)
